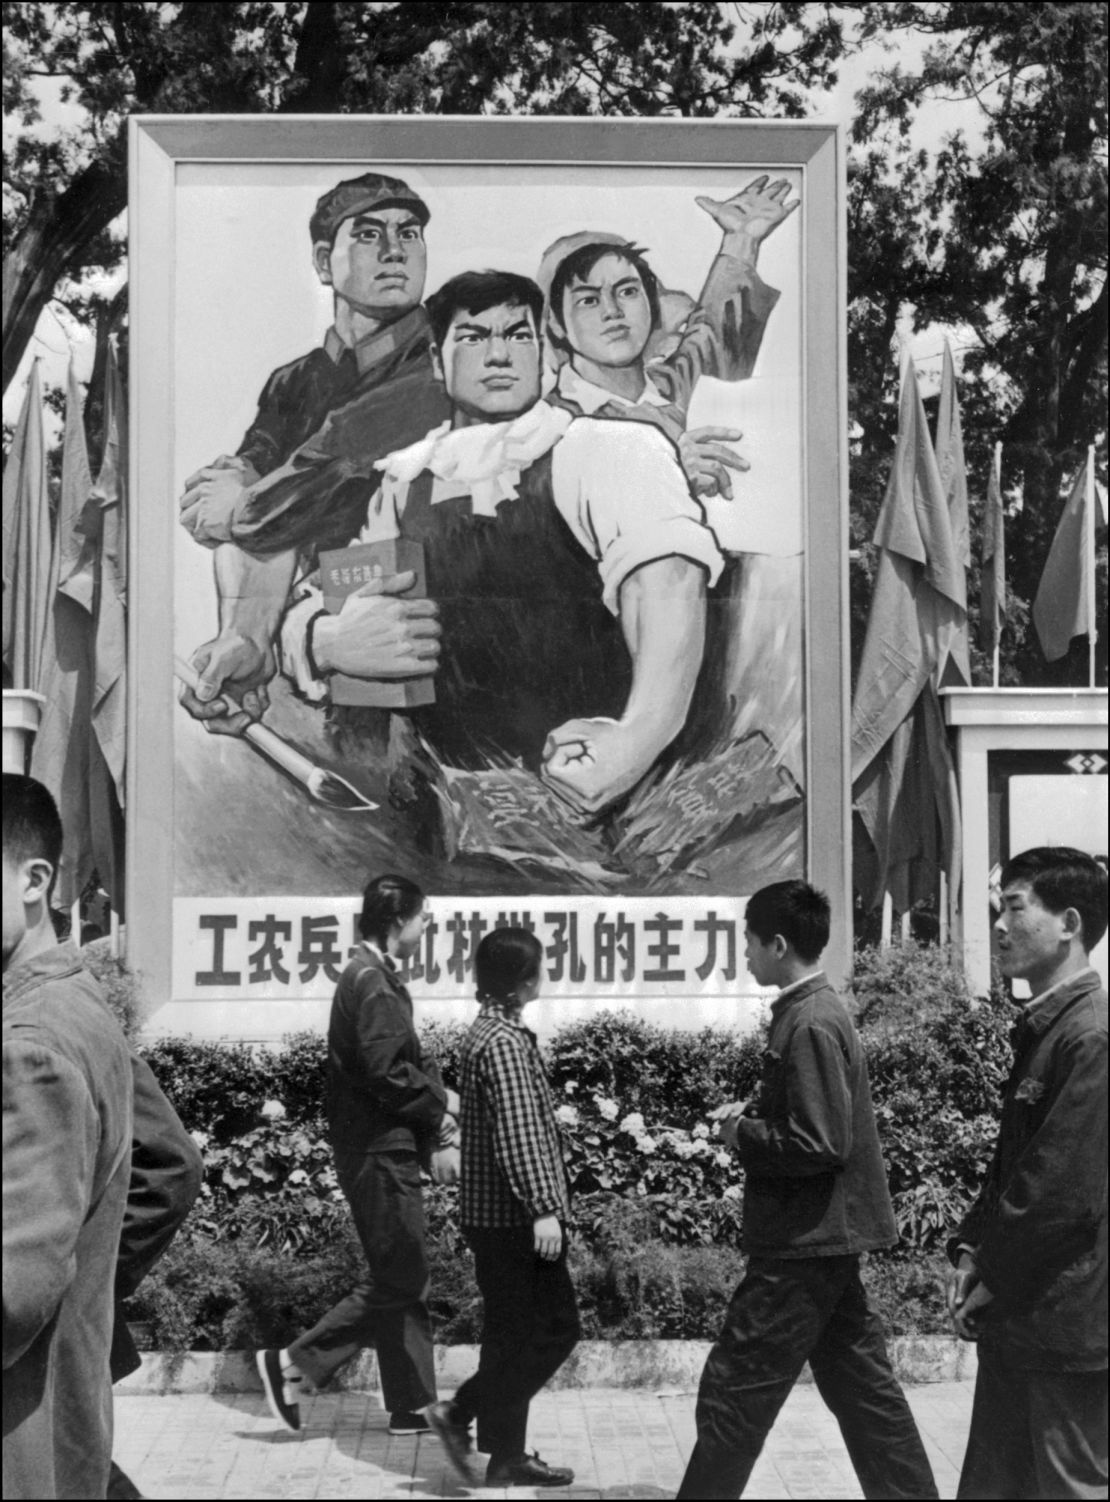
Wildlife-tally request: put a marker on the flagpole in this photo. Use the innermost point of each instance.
(997, 653)
(1089, 525)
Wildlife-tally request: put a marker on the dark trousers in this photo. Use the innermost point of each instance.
(389, 1309)
(786, 1312)
(529, 1329)
(1035, 1433)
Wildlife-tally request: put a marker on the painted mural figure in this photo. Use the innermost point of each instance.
(604, 319)
(371, 390)
(558, 685)
(368, 245)
(568, 557)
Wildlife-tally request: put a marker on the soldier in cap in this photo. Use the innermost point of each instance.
(286, 487)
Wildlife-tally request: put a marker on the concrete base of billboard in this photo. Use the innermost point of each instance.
(661, 1365)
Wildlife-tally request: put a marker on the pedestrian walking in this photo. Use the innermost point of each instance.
(815, 1197)
(1028, 1279)
(387, 1110)
(166, 1174)
(67, 1163)
(514, 1208)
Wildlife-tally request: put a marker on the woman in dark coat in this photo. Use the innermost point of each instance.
(387, 1107)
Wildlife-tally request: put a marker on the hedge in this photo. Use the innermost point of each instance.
(657, 1201)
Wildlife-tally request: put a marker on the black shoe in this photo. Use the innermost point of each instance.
(120, 1486)
(529, 1470)
(455, 1439)
(404, 1422)
(279, 1393)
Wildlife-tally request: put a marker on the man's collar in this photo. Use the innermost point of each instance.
(811, 981)
(48, 964)
(1042, 1011)
(591, 397)
(379, 346)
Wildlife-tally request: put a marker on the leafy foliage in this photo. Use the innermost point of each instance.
(937, 1061)
(121, 989)
(65, 190)
(999, 232)
(657, 1202)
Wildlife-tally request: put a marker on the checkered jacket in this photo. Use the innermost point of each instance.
(512, 1157)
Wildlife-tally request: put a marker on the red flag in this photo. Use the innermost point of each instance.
(60, 757)
(992, 576)
(953, 474)
(26, 545)
(902, 774)
(1065, 603)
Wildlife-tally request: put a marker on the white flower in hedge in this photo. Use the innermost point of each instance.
(568, 1115)
(273, 1110)
(701, 1131)
(733, 1192)
(200, 1138)
(571, 1086)
(646, 1143)
(633, 1124)
(608, 1108)
(722, 1159)
(685, 1149)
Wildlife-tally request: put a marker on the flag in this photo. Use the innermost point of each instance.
(60, 756)
(96, 581)
(953, 475)
(109, 714)
(1065, 604)
(902, 774)
(26, 544)
(992, 576)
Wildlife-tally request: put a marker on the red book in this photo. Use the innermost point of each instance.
(342, 571)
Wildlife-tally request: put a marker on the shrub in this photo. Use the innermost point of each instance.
(216, 1088)
(937, 1060)
(668, 1076)
(120, 985)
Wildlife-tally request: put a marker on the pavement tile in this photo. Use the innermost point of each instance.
(620, 1443)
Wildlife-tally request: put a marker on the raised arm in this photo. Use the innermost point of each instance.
(724, 333)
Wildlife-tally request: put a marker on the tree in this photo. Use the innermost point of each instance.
(1005, 240)
(64, 193)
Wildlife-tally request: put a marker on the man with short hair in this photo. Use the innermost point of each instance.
(1028, 1280)
(815, 1199)
(322, 422)
(569, 562)
(67, 1160)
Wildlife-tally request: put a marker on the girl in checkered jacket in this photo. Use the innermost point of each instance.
(514, 1207)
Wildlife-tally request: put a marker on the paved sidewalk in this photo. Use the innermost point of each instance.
(621, 1443)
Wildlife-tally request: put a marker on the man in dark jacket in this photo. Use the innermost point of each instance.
(815, 1197)
(166, 1172)
(1029, 1259)
(387, 1108)
(67, 1162)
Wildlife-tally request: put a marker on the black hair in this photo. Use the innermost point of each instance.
(505, 959)
(476, 291)
(32, 824)
(387, 900)
(794, 909)
(1060, 877)
(578, 266)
